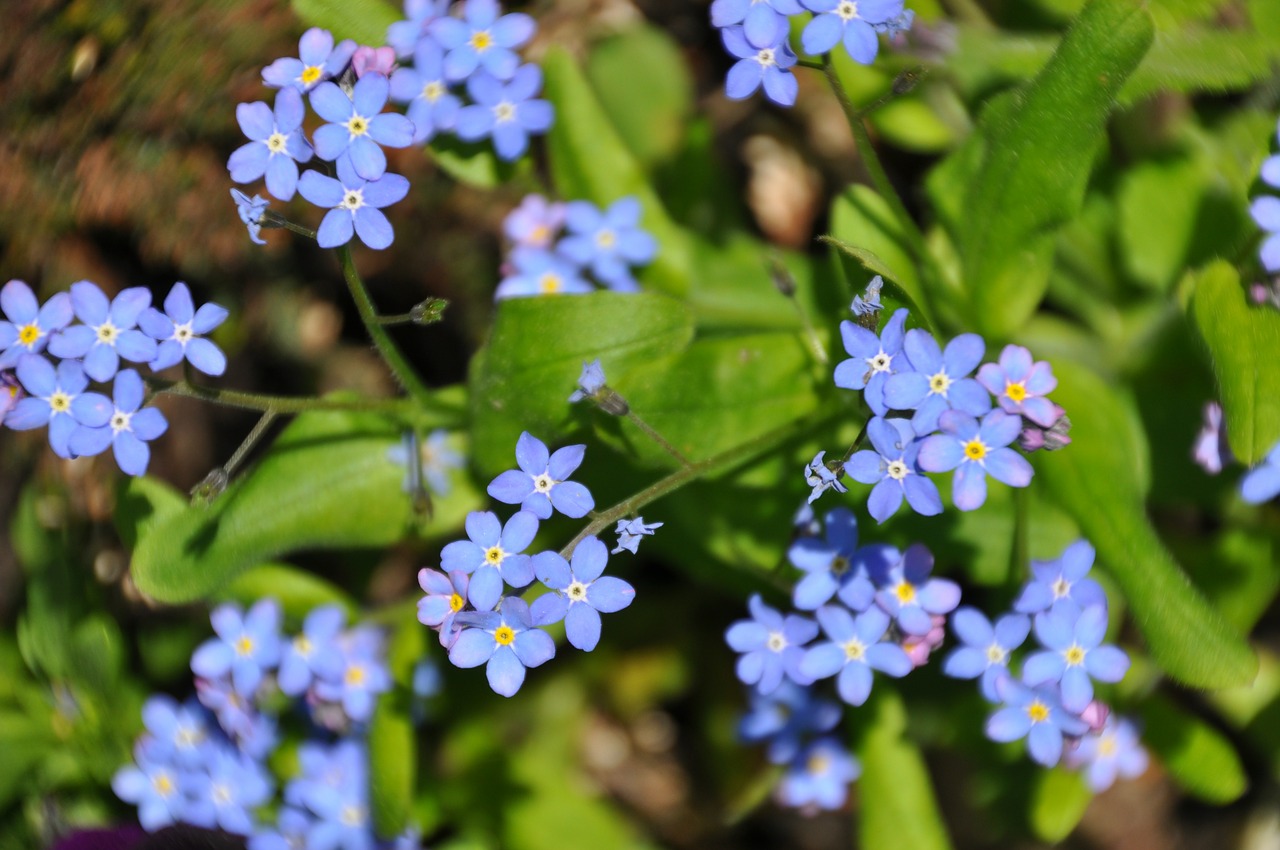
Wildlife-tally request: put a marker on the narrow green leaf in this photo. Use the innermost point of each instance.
(898, 806)
(298, 591)
(862, 220)
(366, 21)
(1244, 345)
(1058, 802)
(1038, 162)
(1196, 755)
(1099, 481)
(589, 161)
(393, 758)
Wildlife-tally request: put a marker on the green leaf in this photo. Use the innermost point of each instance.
(862, 220)
(1099, 480)
(898, 806)
(1197, 756)
(1038, 160)
(393, 758)
(1203, 60)
(473, 163)
(522, 381)
(24, 743)
(298, 591)
(589, 161)
(872, 263)
(1058, 802)
(366, 21)
(1158, 205)
(1244, 345)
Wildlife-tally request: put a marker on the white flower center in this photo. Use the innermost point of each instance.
(504, 112)
(352, 199)
(543, 483)
(1061, 588)
(183, 333)
(897, 470)
(855, 650)
(352, 815)
(221, 794)
(276, 142)
(847, 10)
(577, 592)
(766, 57)
(433, 91)
(882, 362)
(777, 642)
(120, 421)
(107, 333)
(996, 654)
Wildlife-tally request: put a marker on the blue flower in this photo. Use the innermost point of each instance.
(892, 468)
(986, 648)
(290, 832)
(772, 646)
(432, 107)
(853, 651)
(766, 64)
(1062, 582)
(506, 642)
(492, 555)
(326, 770)
(235, 714)
(446, 596)
(872, 359)
(762, 22)
(1020, 386)
(853, 22)
(1211, 447)
(819, 777)
(581, 595)
(50, 397)
(126, 425)
(364, 674)
(836, 565)
(180, 330)
(357, 126)
(608, 242)
(784, 717)
(1266, 212)
(895, 27)
(109, 331)
(908, 594)
(975, 451)
(152, 786)
(1073, 654)
(276, 144)
(1262, 483)
(868, 303)
(224, 797)
(937, 380)
(29, 325)
(1112, 751)
(482, 39)
(437, 460)
(179, 734)
(405, 36)
(818, 476)
(540, 272)
(246, 646)
(1036, 715)
(535, 223)
(314, 653)
(629, 533)
(11, 393)
(590, 382)
(319, 61)
(541, 483)
(508, 112)
(251, 211)
(342, 819)
(354, 204)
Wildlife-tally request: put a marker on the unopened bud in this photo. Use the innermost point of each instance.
(210, 488)
(907, 80)
(1035, 437)
(783, 280)
(611, 403)
(428, 312)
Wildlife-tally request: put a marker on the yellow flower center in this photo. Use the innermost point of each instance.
(481, 40)
(357, 125)
(975, 449)
(244, 646)
(163, 784)
(1107, 745)
(1015, 391)
(504, 635)
(818, 764)
(606, 239)
(355, 675)
(302, 646)
(494, 555)
(28, 334)
(939, 384)
(276, 142)
(906, 592)
(548, 284)
(540, 235)
(456, 602)
(1038, 712)
(1074, 655)
(59, 402)
(310, 74)
(854, 650)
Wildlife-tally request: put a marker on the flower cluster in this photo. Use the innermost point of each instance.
(1266, 212)
(467, 48)
(555, 246)
(1210, 451)
(205, 762)
(756, 33)
(90, 334)
(470, 600)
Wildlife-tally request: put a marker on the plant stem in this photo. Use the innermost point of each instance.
(1019, 555)
(255, 436)
(299, 229)
(658, 438)
(273, 404)
(395, 360)
(397, 319)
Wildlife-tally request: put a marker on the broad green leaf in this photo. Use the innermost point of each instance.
(869, 261)
(1237, 571)
(472, 162)
(909, 123)
(1158, 205)
(523, 380)
(1099, 481)
(589, 161)
(326, 482)
(1244, 345)
(1058, 801)
(898, 806)
(298, 591)
(393, 759)
(366, 21)
(1196, 755)
(24, 742)
(734, 289)
(1038, 161)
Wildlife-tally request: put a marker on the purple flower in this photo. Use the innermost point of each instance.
(850, 22)
(1036, 715)
(1062, 582)
(872, 359)
(785, 717)
(1266, 212)
(354, 204)
(821, 478)
(609, 243)
(109, 331)
(49, 400)
(1035, 437)
(373, 60)
(405, 36)
(126, 426)
(506, 642)
(319, 60)
(1262, 483)
(541, 483)
(251, 211)
(1211, 445)
(938, 379)
(29, 325)
(364, 674)
(357, 126)
(909, 595)
(179, 734)
(892, 468)
(582, 594)
(492, 555)
(767, 65)
(432, 107)
(540, 272)
(246, 646)
(508, 112)
(153, 787)
(446, 596)
(986, 649)
(535, 223)
(1113, 751)
(1074, 655)
(772, 646)
(975, 451)
(314, 653)
(1021, 386)
(854, 650)
(868, 303)
(836, 565)
(276, 144)
(180, 330)
(631, 531)
(482, 40)
(762, 20)
(819, 777)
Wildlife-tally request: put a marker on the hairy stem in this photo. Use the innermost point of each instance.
(658, 438)
(273, 404)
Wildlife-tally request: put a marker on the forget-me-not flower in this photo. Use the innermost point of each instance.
(608, 242)
(358, 126)
(51, 395)
(109, 331)
(364, 674)
(541, 272)
(122, 423)
(631, 531)
(819, 777)
(767, 65)
(1020, 386)
(975, 450)
(1034, 714)
(836, 564)
(508, 112)
(251, 211)
(314, 653)
(785, 717)
(1062, 581)
(868, 303)
(535, 223)
(482, 39)
(911, 596)
(152, 786)
(541, 483)
(892, 468)
(590, 382)
(446, 596)
(276, 143)
(1108, 753)
(821, 478)
(938, 379)
(762, 20)
(179, 734)
(872, 359)
(405, 36)
(29, 324)
(851, 22)
(506, 642)
(986, 647)
(318, 60)
(246, 646)
(1074, 655)
(181, 329)
(492, 555)
(223, 798)
(354, 204)
(1262, 483)
(772, 646)
(581, 595)
(432, 107)
(853, 650)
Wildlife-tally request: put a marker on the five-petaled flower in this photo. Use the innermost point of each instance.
(892, 469)
(109, 331)
(358, 126)
(975, 450)
(180, 330)
(582, 594)
(872, 359)
(541, 483)
(122, 423)
(276, 144)
(506, 641)
(772, 646)
(354, 204)
(29, 324)
(492, 555)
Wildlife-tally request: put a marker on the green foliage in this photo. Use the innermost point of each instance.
(366, 21)
(393, 761)
(1058, 801)
(297, 591)
(1197, 756)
